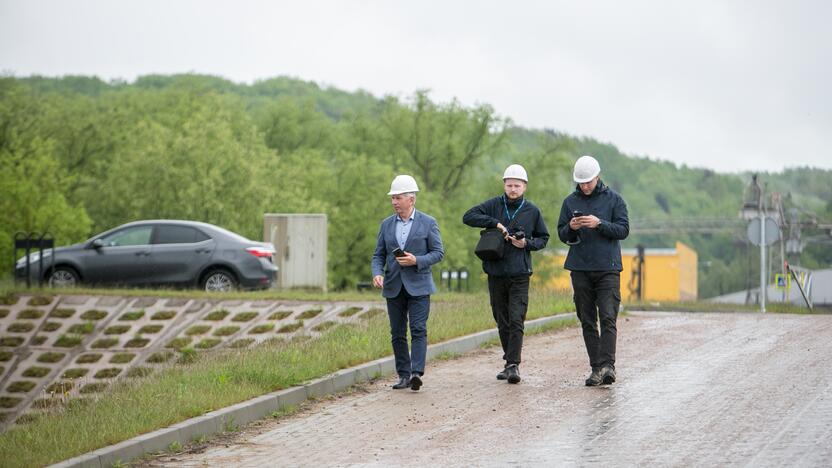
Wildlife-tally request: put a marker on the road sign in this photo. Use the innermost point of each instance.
(781, 281)
(772, 231)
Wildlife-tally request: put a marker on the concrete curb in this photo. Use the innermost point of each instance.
(263, 406)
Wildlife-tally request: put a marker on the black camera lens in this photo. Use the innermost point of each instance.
(519, 235)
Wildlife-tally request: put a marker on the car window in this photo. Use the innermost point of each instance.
(167, 234)
(139, 235)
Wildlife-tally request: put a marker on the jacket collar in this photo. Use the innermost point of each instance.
(599, 188)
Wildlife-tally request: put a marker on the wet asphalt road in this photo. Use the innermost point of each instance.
(692, 390)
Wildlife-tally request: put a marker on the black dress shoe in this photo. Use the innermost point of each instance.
(415, 382)
(404, 382)
(502, 375)
(607, 375)
(513, 374)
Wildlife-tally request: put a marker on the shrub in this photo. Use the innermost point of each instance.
(62, 313)
(164, 315)
(137, 343)
(50, 357)
(349, 312)
(262, 328)
(308, 314)
(323, 326)
(178, 343)
(8, 299)
(160, 357)
(60, 387)
(11, 341)
(36, 372)
(93, 387)
(75, 373)
(197, 330)
(40, 300)
(289, 328)
(93, 314)
(117, 329)
(20, 386)
(88, 358)
(122, 358)
(139, 372)
(82, 328)
(103, 343)
(242, 343)
(244, 317)
(9, 402)
(30, 314)
(280, 315)
(217, 315)
(67, 341)
(108, 373)
(226, 331)
(131, 316)
(6, 356)
(151, 328)
(21, 327)
(208, 343)
(51, 326)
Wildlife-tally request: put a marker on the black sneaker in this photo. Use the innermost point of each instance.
(607, 375)
(502, 375)
(512, 374)
(594, 378)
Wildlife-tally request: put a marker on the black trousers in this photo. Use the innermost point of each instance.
(597, 297)
(509, 303)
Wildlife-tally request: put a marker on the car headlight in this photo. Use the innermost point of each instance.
(33, 257)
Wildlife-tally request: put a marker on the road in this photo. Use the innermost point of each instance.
(692, 390)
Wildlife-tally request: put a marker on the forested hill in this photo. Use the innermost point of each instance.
(80, 155)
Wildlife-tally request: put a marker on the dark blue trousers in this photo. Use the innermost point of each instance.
(404, 309)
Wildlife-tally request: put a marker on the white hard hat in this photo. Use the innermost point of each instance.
(515, 171)
(403, 184)
(586, 168)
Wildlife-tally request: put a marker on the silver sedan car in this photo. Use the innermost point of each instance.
(158, 253)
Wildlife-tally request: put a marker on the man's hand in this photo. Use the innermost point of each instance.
(576, 223)
(591, 221)
(378, 281)
(519, 243)
(503, 230)
(407, 260)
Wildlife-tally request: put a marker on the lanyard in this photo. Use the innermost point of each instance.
(511, 216)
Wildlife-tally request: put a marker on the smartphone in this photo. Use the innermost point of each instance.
(577, 213)
(398, 252)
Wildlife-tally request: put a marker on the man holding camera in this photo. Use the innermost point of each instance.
(593, 219)
(408, 244)
(523, 229)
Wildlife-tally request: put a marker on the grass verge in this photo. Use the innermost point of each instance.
(216, 380)
(701, 306)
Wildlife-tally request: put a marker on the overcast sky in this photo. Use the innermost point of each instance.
(727, 85)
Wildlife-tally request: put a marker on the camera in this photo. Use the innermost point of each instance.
(577, 213)
(519, 234)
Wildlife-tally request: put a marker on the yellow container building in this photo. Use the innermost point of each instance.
(667, 274)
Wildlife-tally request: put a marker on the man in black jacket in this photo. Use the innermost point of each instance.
(523, 228)
(593, 219)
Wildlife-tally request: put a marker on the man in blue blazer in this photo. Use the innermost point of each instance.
(408, 244)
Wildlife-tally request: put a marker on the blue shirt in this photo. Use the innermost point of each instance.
(403, 228)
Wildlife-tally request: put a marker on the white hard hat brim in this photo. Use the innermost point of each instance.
(584, 180)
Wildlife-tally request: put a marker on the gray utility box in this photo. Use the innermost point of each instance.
(301, 244)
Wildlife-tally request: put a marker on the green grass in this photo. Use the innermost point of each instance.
(160, 357)
(6, 356)
(150, 329)
(68, 341)
(116, 329)
(93, 314)
(104, 343)
(308, 314)
(244, 317)
(82, 328)
(262, 328)
(36, 372)
(131, 316)
(290, 327)
(88, 358)
(122, 358)
(50, 357)
(75, 373)
(349, 312)
(219, 379)
(62, 313)
(4, 313)
(11, 341)
(137, 343)
(30, 314)
(163, 315)
(51, 326)
(21, 327)
(226, 331)
(197, 330)
(40, 300)
(217, 315)
(280, 315)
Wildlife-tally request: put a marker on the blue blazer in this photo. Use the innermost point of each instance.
(423, 241)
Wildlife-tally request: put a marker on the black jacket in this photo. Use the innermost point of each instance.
(598, 249)
(515, 262)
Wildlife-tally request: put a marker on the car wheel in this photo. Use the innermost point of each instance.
(219, 281)
(63, 277)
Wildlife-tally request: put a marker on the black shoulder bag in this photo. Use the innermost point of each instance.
(492, 244)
